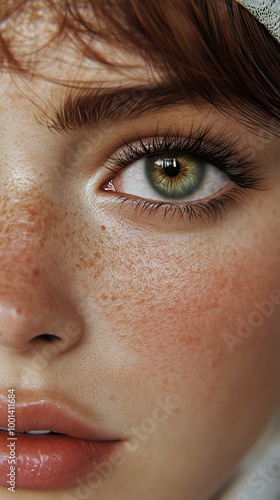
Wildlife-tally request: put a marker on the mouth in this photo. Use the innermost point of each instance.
(50, 447)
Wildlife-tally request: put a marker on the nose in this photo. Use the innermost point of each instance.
(35, 309)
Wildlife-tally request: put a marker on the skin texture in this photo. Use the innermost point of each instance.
(151, 300)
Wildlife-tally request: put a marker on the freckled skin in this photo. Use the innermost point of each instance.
(151, 301)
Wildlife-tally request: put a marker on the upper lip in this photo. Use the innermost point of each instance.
(44, 414)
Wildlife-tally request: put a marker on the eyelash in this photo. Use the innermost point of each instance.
(218, 150)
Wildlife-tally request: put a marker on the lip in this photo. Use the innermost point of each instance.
(52, 460)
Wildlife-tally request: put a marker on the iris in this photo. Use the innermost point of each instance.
(174, 175)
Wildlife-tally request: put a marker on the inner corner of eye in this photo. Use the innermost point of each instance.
(108, 186)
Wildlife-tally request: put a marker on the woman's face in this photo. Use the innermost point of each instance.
(167, 326)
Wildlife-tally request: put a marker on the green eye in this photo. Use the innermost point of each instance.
(174, 175)
(171, 176)
(194, 176)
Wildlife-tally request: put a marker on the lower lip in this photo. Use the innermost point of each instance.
(52, 460)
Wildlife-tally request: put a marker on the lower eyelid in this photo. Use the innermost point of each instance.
(154, 212)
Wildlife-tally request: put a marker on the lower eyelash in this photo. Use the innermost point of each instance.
(211, 210)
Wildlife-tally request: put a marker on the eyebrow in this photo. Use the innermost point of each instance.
(97, 107)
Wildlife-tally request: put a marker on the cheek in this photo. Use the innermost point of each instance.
(180, 306)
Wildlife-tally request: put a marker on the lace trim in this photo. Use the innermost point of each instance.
(267, 12)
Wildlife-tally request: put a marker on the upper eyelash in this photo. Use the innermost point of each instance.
(219, 150)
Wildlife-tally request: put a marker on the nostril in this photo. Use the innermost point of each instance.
(48, 336)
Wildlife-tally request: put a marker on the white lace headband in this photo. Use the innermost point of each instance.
(267, 12)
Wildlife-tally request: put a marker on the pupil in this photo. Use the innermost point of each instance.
(171, 167)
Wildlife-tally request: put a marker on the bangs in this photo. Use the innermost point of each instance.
(214, 50)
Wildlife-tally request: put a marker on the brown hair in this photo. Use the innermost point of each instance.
(213, 49)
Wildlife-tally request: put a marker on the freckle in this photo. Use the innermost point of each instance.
(97, 255)
(33, 212)
(113, 298)
(36, 272)
(119, 307)
(103, 228)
